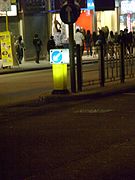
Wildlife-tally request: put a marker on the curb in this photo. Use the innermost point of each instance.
(17, 70)
(21, 69)
(91, 94)
(101, 92)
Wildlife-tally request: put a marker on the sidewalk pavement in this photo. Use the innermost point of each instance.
(44, 64)
(109, 89)
(27, 66)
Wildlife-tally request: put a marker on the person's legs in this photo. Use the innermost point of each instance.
(87, 50)
(20, 56)
(20, 59)
(37, 58)
(90, 50)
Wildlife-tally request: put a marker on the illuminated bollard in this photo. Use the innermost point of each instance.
(59, 58)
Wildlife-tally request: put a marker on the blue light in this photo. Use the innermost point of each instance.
(90, 4)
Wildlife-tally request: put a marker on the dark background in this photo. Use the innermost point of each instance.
(104, 5)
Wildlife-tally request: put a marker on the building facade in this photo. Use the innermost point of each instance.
(39, 16)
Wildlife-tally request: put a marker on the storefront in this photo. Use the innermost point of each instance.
(34, 20)
(84, 22)
(91, 19)
(108, 18)
(127, 15)
(9, 18)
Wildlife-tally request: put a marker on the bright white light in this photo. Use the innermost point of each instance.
(127, 7)
(12, 12)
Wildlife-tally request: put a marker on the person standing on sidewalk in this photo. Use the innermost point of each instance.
(88, 42)
(50, 45)
(58, 38)
(79, 39)
(37, 44)
(19, 44)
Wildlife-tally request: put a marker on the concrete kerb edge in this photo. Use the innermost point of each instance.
(20, 69)
(83, 96)
(48, 98)
(23, 70)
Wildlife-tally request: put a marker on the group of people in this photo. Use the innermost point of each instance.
(86, 40)
(80, 39)
(89, 40)
(20, 47)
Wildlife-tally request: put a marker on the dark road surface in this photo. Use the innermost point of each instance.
(24, 86)
(82, 140)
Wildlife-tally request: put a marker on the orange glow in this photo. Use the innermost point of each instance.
(85, 20)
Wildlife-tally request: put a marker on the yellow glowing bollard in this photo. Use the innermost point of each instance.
(59, 59)
(60, 77)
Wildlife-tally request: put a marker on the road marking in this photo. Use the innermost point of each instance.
(132, 93)
(93, 111)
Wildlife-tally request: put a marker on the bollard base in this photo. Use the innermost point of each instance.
(64, 91)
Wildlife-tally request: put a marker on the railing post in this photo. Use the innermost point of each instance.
(79, 67)
(102, 66)
(122, 64)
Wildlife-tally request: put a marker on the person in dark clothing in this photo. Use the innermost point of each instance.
(50, 45)
(125, 39)
(121, 37)
(94, 41)
(94, 38)
(37, 43)
(88, 42)
(102, 41)
(101, 38)
(130, 42)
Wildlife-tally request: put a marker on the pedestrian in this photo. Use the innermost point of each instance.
(37, 44)
(50, 45)
(58, 38)
(88, 42)
(111, 41)
(111, 38)
(102, 41)
(94, 40)
(19, 44)
(79, 39)
(101, 38)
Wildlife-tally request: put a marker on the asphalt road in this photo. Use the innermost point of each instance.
(24, 86)
(82, 140)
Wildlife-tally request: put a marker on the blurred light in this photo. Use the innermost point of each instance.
(12, 12)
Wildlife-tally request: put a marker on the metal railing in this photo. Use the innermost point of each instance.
(114, 63)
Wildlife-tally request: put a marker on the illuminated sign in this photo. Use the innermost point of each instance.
(59, 56)
(6, 49)
(127, 7)
(12, 12)
(90, 4)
